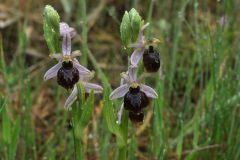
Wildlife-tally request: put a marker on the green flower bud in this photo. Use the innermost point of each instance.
(136, 23)
(130, 26)
(125, 29)
(51, 29)
(52, 17)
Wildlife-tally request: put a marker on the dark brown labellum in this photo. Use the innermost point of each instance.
(135, 100)
(136, 117)
(67, 75)
(151, 60)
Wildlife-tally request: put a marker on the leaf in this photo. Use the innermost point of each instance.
(14, 138)
(125, 30)
(180, 142)
(6, 126)
(87, 110)
(2, 103)
(110, 118)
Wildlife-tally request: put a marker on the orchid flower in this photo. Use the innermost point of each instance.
(68, 70)
(67, 33)
(139, 46)
(130, 82)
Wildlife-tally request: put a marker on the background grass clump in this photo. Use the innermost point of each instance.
(196, 115)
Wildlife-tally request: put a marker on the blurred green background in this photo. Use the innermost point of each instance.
(196, 116)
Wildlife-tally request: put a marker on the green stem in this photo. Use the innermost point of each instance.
(149, 18)
(84, 33)
(122, 152)
(76, 139)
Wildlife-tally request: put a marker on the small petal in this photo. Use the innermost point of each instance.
(125, 78)
(136, 56)
(140, 34)
(64, 28)
(71, 98)
(132, 72)
(148, 91)
(76, 54)
(57, 56)
(82, 70)
(52, 72)
(92, 86)
(72, 32)
(135, 45)
(66, 44)
(119, 92)
(119, 114)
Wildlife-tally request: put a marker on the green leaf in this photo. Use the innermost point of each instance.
(51, 29)
(87, 110)
(110, 117)
(2, 102)
(14, 138)
(6, 126)
(81, 95)
(180, 142)
(77, 111)
(125, 30)
(136, 22)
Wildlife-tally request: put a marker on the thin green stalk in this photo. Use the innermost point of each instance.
(84, 34)
(3, 67)
(149, 18)
(177, 30)
(122, 152)
(76, 139)
(76, 116)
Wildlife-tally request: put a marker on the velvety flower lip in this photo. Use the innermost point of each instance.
(139, 46)
(130, 78)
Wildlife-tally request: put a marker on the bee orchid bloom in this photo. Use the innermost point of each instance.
(68, 70)
(139, 46)
(135, 95)
(130, 81)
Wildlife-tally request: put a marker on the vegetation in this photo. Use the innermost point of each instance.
(195, 117)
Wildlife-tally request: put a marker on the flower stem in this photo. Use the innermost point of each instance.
(122, 151)
(76, 139)
(149, 18)
(84, 34)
